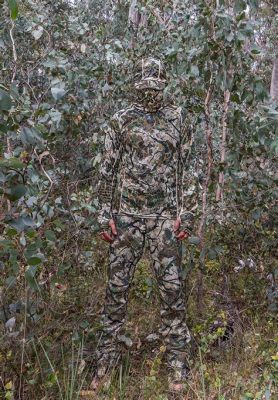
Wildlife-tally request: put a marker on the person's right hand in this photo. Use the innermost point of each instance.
(106, 236)
(180, 234)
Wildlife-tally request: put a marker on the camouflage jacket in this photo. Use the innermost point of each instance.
(147, 169)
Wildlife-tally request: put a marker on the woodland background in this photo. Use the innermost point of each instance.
(66, 67)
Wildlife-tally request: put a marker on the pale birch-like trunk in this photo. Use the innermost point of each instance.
(219, 190)
(274, 82)
(136, 19)
(202, 225)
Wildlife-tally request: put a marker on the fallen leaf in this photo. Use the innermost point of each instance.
(81, 367)
(86, 393)
(9, 385)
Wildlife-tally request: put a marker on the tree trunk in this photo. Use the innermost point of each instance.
(201, 229)
(274, 81)
(219, 191)
(137, 19)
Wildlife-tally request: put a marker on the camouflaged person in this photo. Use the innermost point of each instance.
(146, 196)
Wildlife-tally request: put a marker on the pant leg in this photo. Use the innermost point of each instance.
(124, 254)
(166, 254)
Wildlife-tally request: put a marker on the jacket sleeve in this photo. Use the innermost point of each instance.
(190, 188)
(108, 173)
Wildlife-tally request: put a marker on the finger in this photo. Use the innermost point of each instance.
(182, 235)
(186, 233)
(105, 236)
(176, 224)
(113, 226)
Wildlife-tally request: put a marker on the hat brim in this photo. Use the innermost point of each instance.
(151, 83)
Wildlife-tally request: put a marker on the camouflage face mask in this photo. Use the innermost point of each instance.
(150, 81)
(150, 99)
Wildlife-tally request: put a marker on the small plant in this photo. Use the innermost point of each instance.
(153, 383)
(69, 383)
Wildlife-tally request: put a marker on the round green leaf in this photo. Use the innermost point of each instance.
(194, 240)
(5, 100)
(12, 163)
(16, 192)
(58, 93)
(34, 260)
(31, 136)
(50, 235)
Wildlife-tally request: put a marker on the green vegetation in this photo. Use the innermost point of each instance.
(65, 69)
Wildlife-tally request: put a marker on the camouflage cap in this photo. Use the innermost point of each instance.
(150, 74)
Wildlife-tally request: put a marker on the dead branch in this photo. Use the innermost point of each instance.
(40, 158)
(14, 50)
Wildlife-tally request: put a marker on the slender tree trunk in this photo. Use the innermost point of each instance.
(201, 229)
(219, 190)
(274, 81)
(137, 19)
(134, 15)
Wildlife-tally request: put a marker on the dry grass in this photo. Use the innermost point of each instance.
(48, 357)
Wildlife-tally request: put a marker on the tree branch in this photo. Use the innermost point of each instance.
(14, 50)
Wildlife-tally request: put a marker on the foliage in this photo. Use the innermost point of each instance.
(66, 67)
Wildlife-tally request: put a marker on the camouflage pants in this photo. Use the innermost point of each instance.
(126, 250)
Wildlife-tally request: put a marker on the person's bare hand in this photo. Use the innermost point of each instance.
(180, 235)
(107, 236)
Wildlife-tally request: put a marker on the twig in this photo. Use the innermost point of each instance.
(23, 340)
(40, 157)
(14, 50)
(9, 151)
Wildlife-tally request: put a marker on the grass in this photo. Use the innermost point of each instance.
(54, 365)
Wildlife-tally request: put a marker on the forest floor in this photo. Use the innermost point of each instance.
(52, 356)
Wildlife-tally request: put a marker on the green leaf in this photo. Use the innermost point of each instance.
(31, 136)
(256, 214)
(194, 70)
(274, 146)
(12, 163)
(58, 93)
(16, 192)
(248, 396)
(240, 5)
(34, 260)
(5, 100)
(21, 223)
(31, 271)
(10, 282)
(84, 324)
(14, 8)
(50, 235)
(30, 276)
(253, 3)
(212, 254)
(194, 240)
(255, 50)
(241, 16)
(37, 33)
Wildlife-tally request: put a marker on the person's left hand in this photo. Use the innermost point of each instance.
(180, 235)
(106, 236)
